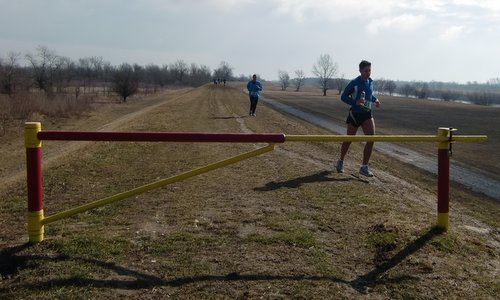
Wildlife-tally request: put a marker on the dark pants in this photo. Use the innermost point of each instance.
(253, 104)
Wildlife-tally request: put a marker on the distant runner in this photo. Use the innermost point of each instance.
(254, 87)
(359, 95)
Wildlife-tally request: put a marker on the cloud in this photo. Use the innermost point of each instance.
(453, 32)
(331, 10)
(179, 6)
(422, 5)
(493, 5)
(405, 22)
(394, 15)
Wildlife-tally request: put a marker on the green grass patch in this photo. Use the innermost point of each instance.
(385, 241)
(299, 237)
(444, 243)
(182, 242)
(92, 246)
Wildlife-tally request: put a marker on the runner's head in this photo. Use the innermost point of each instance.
(365, 68)
(254, 77)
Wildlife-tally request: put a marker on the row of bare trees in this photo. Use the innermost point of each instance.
(326, 75)
(51, 73)
(325, 69)
(485, 94)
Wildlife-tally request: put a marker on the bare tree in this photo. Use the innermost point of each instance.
(325, 69)
(179, 70)
(63, 72)
(9, 74)
(299, 79)
(42, 64)
(390, 86)
(447, 95)
(224, 71)
(494, 81)
(407, 89)
(107, 73)
(421, 90)
(284, 79)
(340, 83)
(91, 68)
(379, 85)
(199, 74)
(97, 63)
(85, 69)
(125, 81)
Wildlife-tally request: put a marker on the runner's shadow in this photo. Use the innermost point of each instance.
(223, 118)
(297, 182)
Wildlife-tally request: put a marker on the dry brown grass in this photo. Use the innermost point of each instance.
(277, 226)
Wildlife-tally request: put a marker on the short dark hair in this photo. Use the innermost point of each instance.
(364, 63)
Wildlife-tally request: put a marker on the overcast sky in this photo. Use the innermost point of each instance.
(453, 40)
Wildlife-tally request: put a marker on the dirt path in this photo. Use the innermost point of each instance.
(384, 180)
(59, 150)
(475, 180)
(281, 225)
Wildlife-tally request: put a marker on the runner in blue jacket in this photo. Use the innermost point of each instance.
(254, 87)
(359, 95)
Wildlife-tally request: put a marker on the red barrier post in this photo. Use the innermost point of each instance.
(139, 136)
(34, 180)
(443, 205)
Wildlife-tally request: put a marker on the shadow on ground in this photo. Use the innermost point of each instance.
(12, 262)
(323, 176)
(228, 117)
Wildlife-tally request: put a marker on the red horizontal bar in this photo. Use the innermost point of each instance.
(138, 136)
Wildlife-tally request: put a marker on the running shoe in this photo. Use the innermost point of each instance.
(339, 166)
(365, 171)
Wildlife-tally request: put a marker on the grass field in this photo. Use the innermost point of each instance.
(277, 226)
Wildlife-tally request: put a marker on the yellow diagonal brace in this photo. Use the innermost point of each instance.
(155, 185)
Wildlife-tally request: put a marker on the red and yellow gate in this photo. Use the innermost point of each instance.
(34, 135)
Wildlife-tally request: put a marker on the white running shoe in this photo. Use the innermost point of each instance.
(365, 171)
(339, 166)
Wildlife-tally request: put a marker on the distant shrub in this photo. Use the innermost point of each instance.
(22, 105)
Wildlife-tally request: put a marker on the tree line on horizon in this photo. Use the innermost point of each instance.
(48, 72)
(327, 78)
(44, 83)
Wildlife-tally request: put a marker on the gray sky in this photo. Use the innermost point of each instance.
(452, 40)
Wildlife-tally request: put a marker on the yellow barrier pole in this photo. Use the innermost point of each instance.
(361, 138)
(469, 138)
(381, 138)
(156, 184)
(34, 180)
